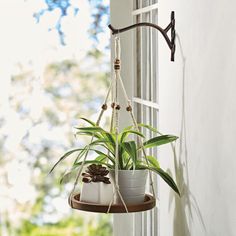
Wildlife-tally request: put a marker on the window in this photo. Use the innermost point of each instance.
(145, 93)
(139, 61)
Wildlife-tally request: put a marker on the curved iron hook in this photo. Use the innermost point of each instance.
(171, 26)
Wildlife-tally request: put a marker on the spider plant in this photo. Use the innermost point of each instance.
(130, 150)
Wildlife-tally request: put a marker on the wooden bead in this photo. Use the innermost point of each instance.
(116, 67)
(117, 61)
(117, 64)
(113, 105)
(104, 106)
(128, 108)
(117, 107)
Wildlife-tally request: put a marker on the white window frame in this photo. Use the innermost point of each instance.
(124, 13)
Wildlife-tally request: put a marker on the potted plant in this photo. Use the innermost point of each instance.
(133, 163)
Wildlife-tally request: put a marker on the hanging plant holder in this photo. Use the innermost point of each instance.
(128, 176)
(120, 202)
(148, 204)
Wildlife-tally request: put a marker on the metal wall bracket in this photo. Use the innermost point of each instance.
(171, 26)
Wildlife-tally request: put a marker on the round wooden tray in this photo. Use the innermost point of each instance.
(149, 203)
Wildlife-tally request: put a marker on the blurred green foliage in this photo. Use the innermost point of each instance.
(71, 226)
(69, 92)
(42, 112)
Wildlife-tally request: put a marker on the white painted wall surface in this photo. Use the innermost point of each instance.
(198, 103)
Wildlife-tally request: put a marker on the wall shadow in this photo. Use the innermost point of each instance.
(186, 206)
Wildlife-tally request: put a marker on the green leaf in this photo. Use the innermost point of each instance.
(98, 129)
(104, 143)
(100, 153)
(109, 137)
(66, 177)
(153, 161)
(128, 165)
(68, 174)
(148, 127)
(125, 134)
(121, 152)
(159, 140)
(100, 158)
(79, 156)
(93, 162)
(128, 127)
(90, 129)
(99, 141)
(131, 149)
(164, 175)
(144, 126)
(91, 134)
(88, 121)
(105, 156)
(110, 141)
(124, 157)
(65, 156)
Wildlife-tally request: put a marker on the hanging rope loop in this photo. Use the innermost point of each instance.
(117, 48)
(117, 61)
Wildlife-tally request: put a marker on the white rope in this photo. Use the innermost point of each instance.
(117, 157)
(88, 148)
(117, 74)
(144, 153)
(124, 91)
(137, 129)
(116, 115)
(117, 48)
(115, 124)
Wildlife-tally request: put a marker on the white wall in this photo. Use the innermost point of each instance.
(198, 103)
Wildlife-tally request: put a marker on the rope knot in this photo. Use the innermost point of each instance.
(117, 187)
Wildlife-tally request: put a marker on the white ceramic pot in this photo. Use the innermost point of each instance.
(98, 192)
(132, 185)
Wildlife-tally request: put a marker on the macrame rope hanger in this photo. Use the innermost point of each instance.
(103, 108)
(115, 122)
(113, 91)
(117, 67)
